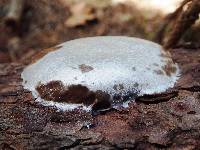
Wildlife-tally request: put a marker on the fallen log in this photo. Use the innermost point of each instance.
(148, 123)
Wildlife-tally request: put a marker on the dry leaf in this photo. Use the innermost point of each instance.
(81, 14)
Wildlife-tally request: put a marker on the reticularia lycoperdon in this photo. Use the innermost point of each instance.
(107, 71)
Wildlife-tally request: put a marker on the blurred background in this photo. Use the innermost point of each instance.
(39, 24)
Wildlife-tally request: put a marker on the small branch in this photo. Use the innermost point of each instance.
(185, 20)
(159, 37)
(14, 14)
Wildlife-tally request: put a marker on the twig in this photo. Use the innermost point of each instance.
(185, 20)
(159, 37)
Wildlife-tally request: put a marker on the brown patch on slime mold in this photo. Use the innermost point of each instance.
(102, 101)
(148, 68)
(85, 68)
(159, 72)
(155, 64)
(118, 87)
(43, 53)
(169, 68)
(79, 94)
(136, 85)
(134, 68)
(56, 91)
(165, 54)
(74, 94)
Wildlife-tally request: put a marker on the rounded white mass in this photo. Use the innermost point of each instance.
(121, 67)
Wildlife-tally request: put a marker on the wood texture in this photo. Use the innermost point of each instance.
(165, 121)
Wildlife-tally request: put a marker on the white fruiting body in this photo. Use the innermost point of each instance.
(102, 63)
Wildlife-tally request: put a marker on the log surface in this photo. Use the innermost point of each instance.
(169, 120)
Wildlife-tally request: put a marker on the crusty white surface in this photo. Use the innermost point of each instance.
(115, 60)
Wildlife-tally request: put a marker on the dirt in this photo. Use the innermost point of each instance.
(85, 68)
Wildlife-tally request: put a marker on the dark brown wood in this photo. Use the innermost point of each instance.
(168, 20)
(164, 121)
(177, 23)
(184, 21)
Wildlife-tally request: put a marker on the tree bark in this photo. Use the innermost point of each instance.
(165, 121)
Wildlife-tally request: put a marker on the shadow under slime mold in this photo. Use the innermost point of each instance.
(99, 73)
